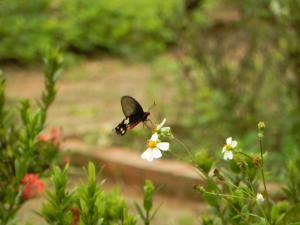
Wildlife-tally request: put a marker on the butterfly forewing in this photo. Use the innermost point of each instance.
(130, 106)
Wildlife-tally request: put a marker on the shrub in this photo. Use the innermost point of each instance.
(236, 70)
(27, 29)
(24, 157)
(89, 203)
(122, 27)
(128, 28)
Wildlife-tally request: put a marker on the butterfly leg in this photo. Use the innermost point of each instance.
(145, 124)
(152, 124)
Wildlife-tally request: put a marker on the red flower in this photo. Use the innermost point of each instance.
(76, 216)
(31, 186)
(55, 135)
(43, 137)
(67, 159)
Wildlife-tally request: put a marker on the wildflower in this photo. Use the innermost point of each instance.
(278, 9)
(55, 135)
(158, 127)
(32, 185)
(67, 159)
(161, 130)
(261, 126)
(228, 148)
(43, 138)
(154, 148)
(76, 216)
(259, 198)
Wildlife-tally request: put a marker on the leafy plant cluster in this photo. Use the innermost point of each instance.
(127, 27)
(89, 204)
(239, 64)
(24, 158)
(238, 192)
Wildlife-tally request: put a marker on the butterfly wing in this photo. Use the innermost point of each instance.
(130, 106)
(122, 127)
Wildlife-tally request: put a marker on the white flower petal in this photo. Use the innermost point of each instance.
(164, 146)
(228, 155)
(161, 124)
(154, 137)
(234, 144)
(224, 149)
(147, 155)
(260, 198)
(229, 140)
(156, 153)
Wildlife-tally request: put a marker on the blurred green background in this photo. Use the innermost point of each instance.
(215, 68)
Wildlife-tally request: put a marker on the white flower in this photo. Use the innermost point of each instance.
(158, 127)
(228, 148)
(162, 131)
(259, 198)
(154, 148)
(278, 9)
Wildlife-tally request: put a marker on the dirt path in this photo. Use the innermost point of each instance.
(89, 94)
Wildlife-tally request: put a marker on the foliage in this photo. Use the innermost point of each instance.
(235, 70)
(145, 211)
(27, 29)
(123, 27)
(57, 209)
(23, 157)
(90, 202)
(233, 192)
(126, 27)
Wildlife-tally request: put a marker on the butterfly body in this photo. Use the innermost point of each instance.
(134, 114)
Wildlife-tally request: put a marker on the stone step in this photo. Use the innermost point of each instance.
(173, 177)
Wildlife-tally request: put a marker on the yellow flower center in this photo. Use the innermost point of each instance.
(228, 147)
(151, 144)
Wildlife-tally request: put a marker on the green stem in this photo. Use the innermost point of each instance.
(221, 195)
(262, 171)
(268, 216)
(147, 221)
(184, 146)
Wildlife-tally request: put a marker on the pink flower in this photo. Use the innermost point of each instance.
(55, 135)
(43, 137)
(67, 159)
(31, 186)
(76, 216)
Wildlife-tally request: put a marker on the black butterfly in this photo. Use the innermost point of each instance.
(134, 114)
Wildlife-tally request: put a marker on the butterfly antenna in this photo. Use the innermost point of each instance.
(153, 105)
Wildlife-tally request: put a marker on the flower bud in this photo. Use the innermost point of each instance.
(257, 162)
(148, 194)
(261, 126)
(260, 136)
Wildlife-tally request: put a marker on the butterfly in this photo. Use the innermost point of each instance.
(134, 114)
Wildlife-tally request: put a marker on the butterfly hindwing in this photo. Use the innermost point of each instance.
(122, 127)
